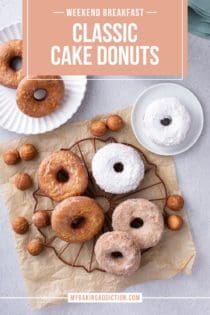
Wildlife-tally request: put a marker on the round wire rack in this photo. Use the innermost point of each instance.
(82, 255)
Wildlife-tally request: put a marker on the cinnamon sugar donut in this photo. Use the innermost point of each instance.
(117, 253)
(61, 175)
(140, 218)
(40, 96)
(77, 219)
(10, 52)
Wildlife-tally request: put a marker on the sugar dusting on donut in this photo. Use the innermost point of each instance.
(140, 218)
(117, 253)
(117, 168)
(166, 121)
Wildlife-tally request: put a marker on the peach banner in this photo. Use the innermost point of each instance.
(106, 37)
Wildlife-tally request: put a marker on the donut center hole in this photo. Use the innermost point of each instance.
(16, 63)
(136, 223)
(77, 222)
(166, 121)
(116, 255)
(62, 176)
(40, 94)
(118, 167)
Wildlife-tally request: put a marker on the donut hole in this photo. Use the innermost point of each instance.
(118, 167)
(77, 222)
(166, 121)
(116, 255)
(40, 95)
(62, 176)
(16, 63)
(136, 223)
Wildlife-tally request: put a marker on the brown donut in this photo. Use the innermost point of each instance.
(61, 175)
(9, 52)
(52, 88)
(77, 219)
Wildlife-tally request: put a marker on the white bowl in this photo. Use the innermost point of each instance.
(11, 118)
(187, 98)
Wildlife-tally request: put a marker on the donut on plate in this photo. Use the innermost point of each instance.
(77, 219)
(140, 218)
(117, 253)
(117, 168)
(62, 174)
(10, 55)
(40, 96)
(166, 121)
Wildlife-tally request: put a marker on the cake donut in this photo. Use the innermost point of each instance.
(77, 219)
(117, 168)
(10, 52)
(140, 218)
(62, 174)
(117, 253)
(166, 121)
(40, 96)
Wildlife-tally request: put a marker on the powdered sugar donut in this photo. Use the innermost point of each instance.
(166, 121)
(117, 168)
(117, 253)
(141, 219)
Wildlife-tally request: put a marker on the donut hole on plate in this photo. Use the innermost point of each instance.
(40, 94)
(136, 223)
(15, 63)
(116, 255)
(62, 176)
(118, 167)
(77, 222)
(166, 121)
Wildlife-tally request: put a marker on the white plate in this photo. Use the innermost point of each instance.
(11, 118)
(187, 98)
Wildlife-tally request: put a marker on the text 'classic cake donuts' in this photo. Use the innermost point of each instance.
(10, 52)
(140, 218)
(40, 95)
(61, 175)
(77, 219)
(117, 253)
(117, 168)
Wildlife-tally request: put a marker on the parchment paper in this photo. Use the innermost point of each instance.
(45, 275)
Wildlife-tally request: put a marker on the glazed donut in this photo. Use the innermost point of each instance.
(141, 219)
(166, 121)
(10, 52)
(77, 219)
(117, 168)
(61, 175)
(117, 253)
(40, 96)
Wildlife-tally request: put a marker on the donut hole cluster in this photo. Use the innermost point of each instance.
(40, 94)
(78, 222)
(62, 176)
(136, 223)
(118, 167)
(166, 121)
(15, 63)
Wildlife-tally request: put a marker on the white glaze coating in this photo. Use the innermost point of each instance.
(176, 131)
(117, 182)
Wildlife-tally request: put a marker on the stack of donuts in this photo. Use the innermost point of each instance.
(36, 97)
(117, 169)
